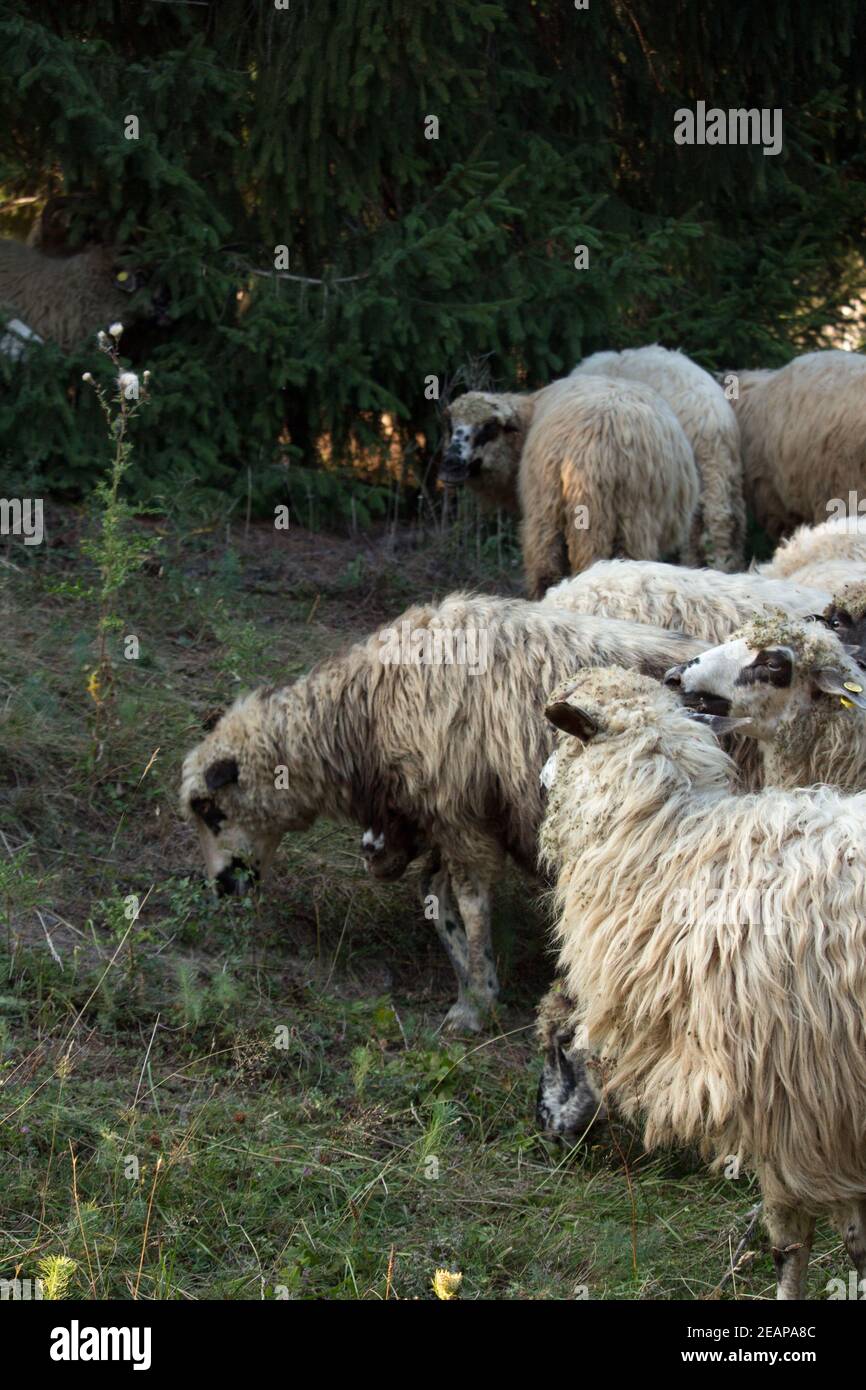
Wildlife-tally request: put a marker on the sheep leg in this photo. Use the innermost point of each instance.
(438, 902)
(851, 1224)
(473, 902)
(791, 1230)
(545, 552)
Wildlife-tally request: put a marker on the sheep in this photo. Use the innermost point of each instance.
(715, 948)
(793, 687)
(803, 436)
(706, 603)
(845, 615)
(61, 298)
(710, 425)
(595, 466)
(827, 556)
(803, 733)
(424, 720)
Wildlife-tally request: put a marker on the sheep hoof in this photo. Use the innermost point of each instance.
(463, 1018)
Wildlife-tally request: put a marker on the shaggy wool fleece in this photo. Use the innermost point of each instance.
(706, 603)
(803, 437)
(710, 425)
(715, 944)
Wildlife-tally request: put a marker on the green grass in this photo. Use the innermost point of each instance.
(253, 1100)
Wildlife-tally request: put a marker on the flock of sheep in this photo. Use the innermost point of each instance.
(679, 750)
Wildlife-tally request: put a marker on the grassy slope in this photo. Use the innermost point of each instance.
(365, 1141)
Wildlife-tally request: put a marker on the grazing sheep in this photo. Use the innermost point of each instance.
(827, 556)
(710, 425)
(427, 721)
(62, 298)
(597, 467)
(706, 603)
(715, 946)
(794, 688)
(803, 436)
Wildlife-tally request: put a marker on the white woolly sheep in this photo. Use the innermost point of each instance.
(62, 298)
(803, 436)
(710, 425)
(827, 556)
(598, 467)
(794, 688)
(715, 946)
(426, 720)
(803, 733)
(706, 603)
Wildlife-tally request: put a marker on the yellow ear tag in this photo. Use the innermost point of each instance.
(852, 685)
(849, 704)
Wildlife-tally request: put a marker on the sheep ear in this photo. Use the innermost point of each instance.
(221, 774)
(572, 720)
(832, 682)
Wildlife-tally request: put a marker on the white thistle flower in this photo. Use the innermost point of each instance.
(128, 384)
(88, 376)
(116, 329)
(102, 340)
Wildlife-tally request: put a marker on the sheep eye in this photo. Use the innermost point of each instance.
(486, 433)
(209, 812)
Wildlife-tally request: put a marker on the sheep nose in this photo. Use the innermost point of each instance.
(674, 678)
(228, 884)
(454, 468)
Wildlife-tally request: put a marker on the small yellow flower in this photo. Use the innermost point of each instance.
(94, 687)
(446, 1284)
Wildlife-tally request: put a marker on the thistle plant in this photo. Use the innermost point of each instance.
(116, 553)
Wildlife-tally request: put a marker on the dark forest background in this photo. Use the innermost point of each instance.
(450, 257)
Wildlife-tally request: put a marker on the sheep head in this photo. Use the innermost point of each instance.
(620, 728)
(484, 437)
(773, 671)
(242, 788)
(846, 617)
